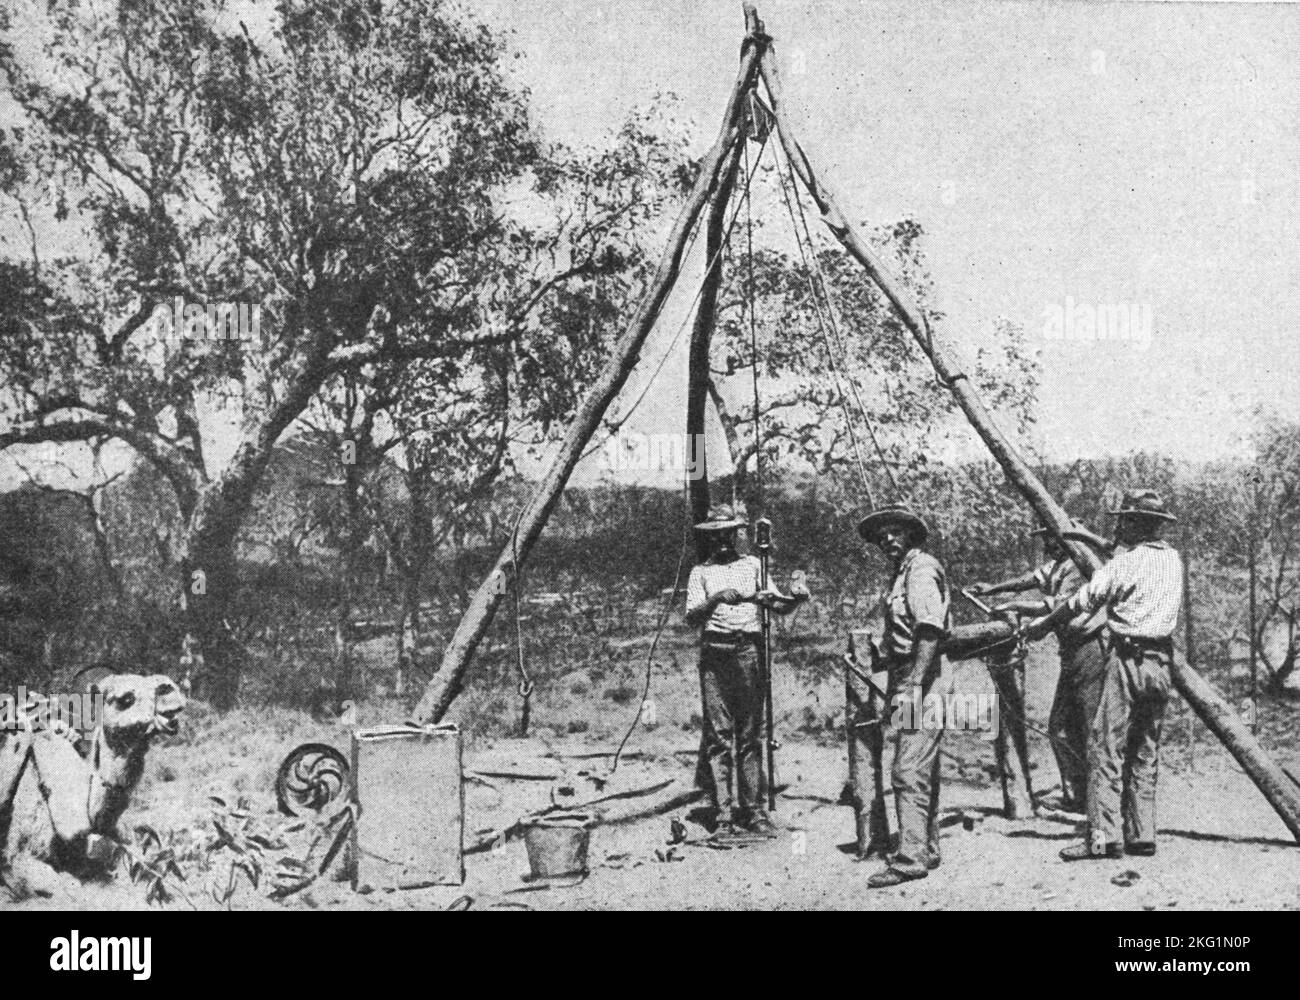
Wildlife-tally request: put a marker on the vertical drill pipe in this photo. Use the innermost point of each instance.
(766, 618)
(697, 390)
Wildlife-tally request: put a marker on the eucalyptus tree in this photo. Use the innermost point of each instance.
(365, 174)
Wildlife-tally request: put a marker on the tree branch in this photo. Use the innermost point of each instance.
(168, 458)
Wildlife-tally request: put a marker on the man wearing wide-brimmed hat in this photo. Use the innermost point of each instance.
(1141, 591)
(1081, 649)
(723, 597)
(915, 621)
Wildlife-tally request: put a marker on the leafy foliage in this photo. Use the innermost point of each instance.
(823, 352)
(364, 174)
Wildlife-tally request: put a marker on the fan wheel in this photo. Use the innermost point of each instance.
(310, 779)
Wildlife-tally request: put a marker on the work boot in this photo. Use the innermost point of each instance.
(893, 875)
(931, 863)
(761, 824)
(724, 829)
(1140, 848)
(1083, 852)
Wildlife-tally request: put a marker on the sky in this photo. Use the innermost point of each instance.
(1064, 159)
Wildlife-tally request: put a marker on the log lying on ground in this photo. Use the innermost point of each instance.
(607, 810)
(1208, 704)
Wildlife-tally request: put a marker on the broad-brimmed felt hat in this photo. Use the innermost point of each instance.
(895, 513)
(723, 519)
(1143, 503)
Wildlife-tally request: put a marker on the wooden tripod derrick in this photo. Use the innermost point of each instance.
(474, 623)
(712, 189)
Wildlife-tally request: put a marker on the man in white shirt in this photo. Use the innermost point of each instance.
(1141, 591)
(723, 597)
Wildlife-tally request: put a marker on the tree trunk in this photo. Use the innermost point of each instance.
(739, 451)
(208, 579)
(1277, 685)
(1280, 791)
(95, 514)
(213, 513)
(444, 687)
(345, 678)
(209, 574)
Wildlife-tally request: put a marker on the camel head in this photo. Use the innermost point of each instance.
(137, 708)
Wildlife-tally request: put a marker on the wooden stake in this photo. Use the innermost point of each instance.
(1214, 711)
(1011, 743)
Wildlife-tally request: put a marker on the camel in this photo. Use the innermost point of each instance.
(59, 808)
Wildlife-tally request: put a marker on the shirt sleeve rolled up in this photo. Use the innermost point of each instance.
(696, 598)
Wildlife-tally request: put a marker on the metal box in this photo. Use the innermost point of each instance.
(406, 783)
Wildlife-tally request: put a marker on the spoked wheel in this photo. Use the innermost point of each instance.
(311, 778)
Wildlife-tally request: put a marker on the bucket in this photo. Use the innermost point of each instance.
(557, 845)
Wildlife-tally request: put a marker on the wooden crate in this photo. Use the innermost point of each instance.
(406, 781)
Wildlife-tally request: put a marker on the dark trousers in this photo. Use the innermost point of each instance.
(1078, 693)
(1124, 744)
(731, 690)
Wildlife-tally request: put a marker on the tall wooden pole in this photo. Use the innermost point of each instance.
(697, 389)
(1217, 715)
(446, 683)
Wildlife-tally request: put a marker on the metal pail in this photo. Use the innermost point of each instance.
(557, 845)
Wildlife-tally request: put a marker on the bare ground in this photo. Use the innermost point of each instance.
(1221, 846)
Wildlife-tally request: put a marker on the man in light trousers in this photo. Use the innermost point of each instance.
(1141, 590)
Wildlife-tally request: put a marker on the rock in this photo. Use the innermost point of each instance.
(576, 682)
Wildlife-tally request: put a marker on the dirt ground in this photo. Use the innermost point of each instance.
(1221, 844)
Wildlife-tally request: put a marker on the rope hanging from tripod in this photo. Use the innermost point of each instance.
(612, 425)
(686, 531)
(832, 340)
(526, 685)
(751, 301)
